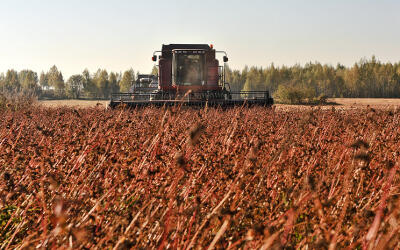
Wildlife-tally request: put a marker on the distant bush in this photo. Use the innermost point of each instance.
(3, 101)
(16, 100)
(295, 94)
(290, 94)
(323, 99)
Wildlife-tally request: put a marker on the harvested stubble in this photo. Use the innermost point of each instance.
(182, 178)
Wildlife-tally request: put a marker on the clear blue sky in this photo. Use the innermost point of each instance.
(120, 34)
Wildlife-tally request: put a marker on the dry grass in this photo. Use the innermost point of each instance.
(73, 103)
(357, 102)
(347, 104)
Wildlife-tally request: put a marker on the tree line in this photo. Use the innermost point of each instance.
(52, 84)
(366, 78)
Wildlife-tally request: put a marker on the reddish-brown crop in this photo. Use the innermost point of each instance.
(184, 178)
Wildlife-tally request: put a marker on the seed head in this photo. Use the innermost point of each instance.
(362, 156)
(194, 133)
(359, 143)
(179, 159)
(311, 182)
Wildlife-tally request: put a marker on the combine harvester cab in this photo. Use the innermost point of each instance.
(190, 75)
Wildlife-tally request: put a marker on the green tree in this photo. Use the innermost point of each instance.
(11, 81)
(2, 77)
(100, 79)
(43, 81)
(154, 70)
(55, 80)
(127, 80)
(29, 81)
(75, 86)
(254, 80)
(113, 82)
(89, 87)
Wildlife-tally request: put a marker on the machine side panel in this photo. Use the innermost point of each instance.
(212, 73)
(165, 74)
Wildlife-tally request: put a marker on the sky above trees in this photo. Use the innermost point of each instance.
(118, 35)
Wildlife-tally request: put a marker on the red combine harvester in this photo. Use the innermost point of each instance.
(190, 75)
